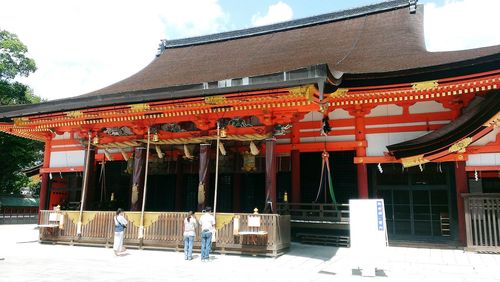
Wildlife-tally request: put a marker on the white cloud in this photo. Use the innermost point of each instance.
(459, 25)
(81, 46)
(278, 12)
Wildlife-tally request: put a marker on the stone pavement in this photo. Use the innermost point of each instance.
(24, 259)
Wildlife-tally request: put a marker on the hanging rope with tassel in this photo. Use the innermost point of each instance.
(327, 176)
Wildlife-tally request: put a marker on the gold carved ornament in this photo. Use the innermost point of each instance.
(340, 92)
(74, 114)
(460, 145)
(139, 107)
(414, 161)
(214, 100)
(20, 121)
(306, 91)
(425, 85)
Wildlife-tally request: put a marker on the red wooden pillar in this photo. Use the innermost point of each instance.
(461, 187)
(362, 171)
(179, 191)
(45, 176)
(270, 176)
(295, 156)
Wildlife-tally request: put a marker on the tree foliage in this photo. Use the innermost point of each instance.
(16, 153)
(13, 60)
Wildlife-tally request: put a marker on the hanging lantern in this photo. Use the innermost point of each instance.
(248, 162)
(155, 137)
(95, 140)
(223, 133)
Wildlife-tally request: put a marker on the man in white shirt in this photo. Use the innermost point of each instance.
(207, 222)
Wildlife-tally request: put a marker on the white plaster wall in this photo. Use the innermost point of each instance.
(282, 140)
(377, 142)
(327, 138)
(427, 107)
(339, 114)
(484, 159)
(386, 110)
(313, 116)
(64, 136)
(67, 159)
(395, 124)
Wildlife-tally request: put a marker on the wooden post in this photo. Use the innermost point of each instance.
(145, 188)
(461, 187)
(468, 224)
(84, 188)
(295, 158)
(271, 175)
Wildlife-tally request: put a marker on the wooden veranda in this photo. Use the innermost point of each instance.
(163, 230)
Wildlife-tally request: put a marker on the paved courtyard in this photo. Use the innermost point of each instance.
(22, 258)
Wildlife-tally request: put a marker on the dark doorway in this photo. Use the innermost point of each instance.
(252, 192)
(112, 188)
(161, 193)
(224, 192)
(417, 201)
(343, 172)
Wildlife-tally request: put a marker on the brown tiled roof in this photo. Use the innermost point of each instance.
(383, 38)
(377, 44)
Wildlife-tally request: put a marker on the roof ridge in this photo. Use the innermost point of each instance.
(283, 26)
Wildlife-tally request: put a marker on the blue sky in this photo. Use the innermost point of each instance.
(83, 45)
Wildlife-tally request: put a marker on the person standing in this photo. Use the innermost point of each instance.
(120, 225)
(189, 233)
(207, 222)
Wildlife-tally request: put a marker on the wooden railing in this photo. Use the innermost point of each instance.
(165, 230)
(311, 212)
(482, 221)
(18, 217)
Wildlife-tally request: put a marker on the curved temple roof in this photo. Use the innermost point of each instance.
(477, 120)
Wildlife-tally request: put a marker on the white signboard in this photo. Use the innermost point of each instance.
(254, 221)
(368, 233)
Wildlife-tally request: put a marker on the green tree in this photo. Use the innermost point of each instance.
(16, 153)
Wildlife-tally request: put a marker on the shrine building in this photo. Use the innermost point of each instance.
(260, 117)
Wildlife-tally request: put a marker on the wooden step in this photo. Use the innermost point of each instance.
(322, 239)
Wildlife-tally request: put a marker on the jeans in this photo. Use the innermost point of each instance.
(206, 244)
(188, 247)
